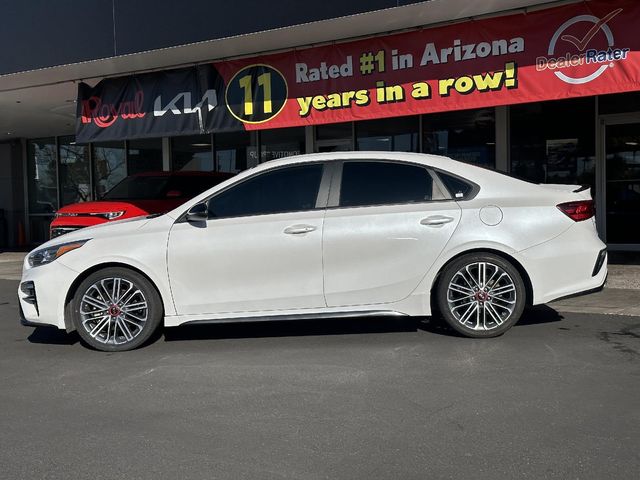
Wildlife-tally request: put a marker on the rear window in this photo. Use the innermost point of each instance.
(383, 183)
(457, 187)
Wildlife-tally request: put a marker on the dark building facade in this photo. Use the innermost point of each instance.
(549, 91)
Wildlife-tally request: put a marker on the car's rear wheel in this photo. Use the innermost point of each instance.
(116, 309)
(481, 295)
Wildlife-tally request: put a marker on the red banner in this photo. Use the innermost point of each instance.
(576, 50)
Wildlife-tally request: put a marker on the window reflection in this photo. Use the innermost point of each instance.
(109, 161)
(553, 142)
(74, 172)
(144, 155)
(622, 147)
(467, 135)
(235, 151)
(281, 143)
(192, 153)
(388, 134)
(41, 167)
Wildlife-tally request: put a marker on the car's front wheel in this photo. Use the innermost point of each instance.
(116, 309)
(481, 295)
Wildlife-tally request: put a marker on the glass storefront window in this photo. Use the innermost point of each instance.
(281, 143)
(466, 135)
(144, 155)
(619, 103)
(110, 165)
(554, 142)
(334, 137)
(388, 134)
(192, 153)
(235, 151)
(622, 175)
(41, 168)
(75, 180)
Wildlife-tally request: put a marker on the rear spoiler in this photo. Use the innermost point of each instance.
(566, 187)
(582, 188)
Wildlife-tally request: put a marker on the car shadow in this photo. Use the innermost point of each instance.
(53, 336)
(532, 315)
(539, 314)
(337, 326)
(300, 328)
(291, 328)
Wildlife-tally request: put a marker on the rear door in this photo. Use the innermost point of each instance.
(387, 224)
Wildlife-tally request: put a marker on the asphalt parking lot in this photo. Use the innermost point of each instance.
(556, 397)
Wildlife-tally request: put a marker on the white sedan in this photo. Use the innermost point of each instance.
(322, 236)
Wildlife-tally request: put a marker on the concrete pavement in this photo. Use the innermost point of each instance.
(11, 265)
(554, 398)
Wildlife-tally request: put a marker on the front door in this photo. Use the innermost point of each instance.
(621, 184)
(260, 250)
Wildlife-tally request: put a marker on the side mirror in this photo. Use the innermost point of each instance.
(198, 213)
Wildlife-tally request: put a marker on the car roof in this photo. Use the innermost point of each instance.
(434, 161)
(480, 175)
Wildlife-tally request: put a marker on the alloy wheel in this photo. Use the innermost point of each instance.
(481, 296)
(113, 311)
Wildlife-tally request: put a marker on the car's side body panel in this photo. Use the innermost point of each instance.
(375, 258)
(246, 264)
(379, 254)
(139, 243)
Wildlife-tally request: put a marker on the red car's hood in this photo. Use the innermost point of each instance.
(132, 208)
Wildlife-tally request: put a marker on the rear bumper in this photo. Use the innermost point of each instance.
(583, 293)
(573, 263)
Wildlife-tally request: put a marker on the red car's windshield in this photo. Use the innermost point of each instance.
(150, 187)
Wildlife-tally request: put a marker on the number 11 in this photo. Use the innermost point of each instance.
(264, 81)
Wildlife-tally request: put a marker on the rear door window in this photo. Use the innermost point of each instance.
(384, 183)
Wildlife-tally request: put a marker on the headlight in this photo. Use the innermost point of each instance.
(110, 215)
(49, 254)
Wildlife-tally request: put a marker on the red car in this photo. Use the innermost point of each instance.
(136, 195)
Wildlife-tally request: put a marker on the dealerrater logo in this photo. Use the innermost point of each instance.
(570, 57)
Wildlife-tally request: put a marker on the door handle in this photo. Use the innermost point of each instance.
(436, 220)
(299, 229)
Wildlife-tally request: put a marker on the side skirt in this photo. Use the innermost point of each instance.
(301, 316)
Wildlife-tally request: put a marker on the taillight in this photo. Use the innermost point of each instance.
(578, 211)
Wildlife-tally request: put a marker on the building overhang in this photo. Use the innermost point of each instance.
(40, 102)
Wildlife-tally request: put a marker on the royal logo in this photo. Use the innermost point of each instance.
(577, 52)
(105, 114)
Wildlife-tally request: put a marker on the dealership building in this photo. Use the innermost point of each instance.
(92, 91)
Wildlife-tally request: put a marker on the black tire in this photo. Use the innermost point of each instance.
(117, 327)
(478, 314)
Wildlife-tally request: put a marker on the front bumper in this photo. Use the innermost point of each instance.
(26, 323)
(42, 294)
